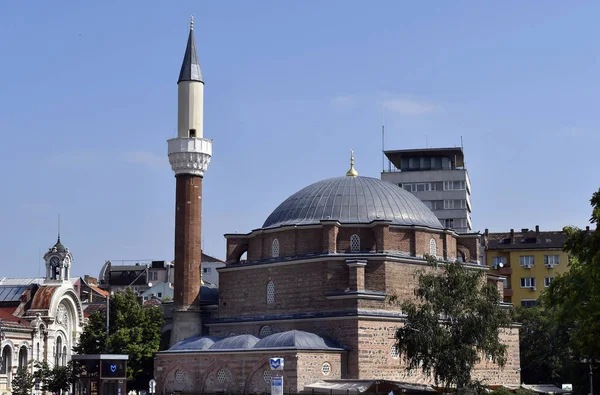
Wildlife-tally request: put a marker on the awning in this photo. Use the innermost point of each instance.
(544, 388)
(357, 386)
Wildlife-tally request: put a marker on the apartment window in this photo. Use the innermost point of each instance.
(528, 303)
(454, 185)
(505, 283)
(408, 187)
(551, 260)
(462, 203)
(547, 281)
(449, 223)
(448, 204)
(206, 269)
(424, 187)
(153, 276)
(526, 260)
(429, 204)
(527, 282)
(497, 260)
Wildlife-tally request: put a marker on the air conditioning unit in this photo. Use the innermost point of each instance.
(550, 266)
(532, 288)
(494, 267)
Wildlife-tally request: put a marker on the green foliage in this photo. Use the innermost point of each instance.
(545, 351)
(23, 382)
(55, 379)
(575, 295)
(133, 330)
(501, 391)
(457, 321)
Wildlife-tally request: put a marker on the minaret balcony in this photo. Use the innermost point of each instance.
(190, 155)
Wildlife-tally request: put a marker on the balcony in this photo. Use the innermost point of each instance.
(508, 292)
(505, 271)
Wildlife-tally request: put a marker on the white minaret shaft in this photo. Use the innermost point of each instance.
(190, 92)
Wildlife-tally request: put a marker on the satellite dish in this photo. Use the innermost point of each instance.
(501, 265)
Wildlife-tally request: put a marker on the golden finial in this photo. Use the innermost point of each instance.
(352, 172)
(192, 23)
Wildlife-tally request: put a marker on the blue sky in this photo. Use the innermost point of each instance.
(88, 100)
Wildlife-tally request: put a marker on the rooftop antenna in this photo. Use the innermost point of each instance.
(382, 138)
(39, 261)
(426, 141)
(461, 143)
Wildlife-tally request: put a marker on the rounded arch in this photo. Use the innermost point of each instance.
(432, 247)
(256, 376)
(23, 359)
(271, 292)
(7, 359)
(210, 376)
(275, 248)
(72, 301)
(237, 253)
(463, 253)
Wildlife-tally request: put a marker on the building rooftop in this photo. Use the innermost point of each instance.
(352, 200)
(526, 239)
(454, 153)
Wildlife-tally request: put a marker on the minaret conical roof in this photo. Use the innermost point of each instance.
(190, 68)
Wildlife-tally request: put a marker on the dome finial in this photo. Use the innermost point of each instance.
(352, 172)
(192, 23)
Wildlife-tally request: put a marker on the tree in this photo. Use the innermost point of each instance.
(457, 319)
(23, 382)
(575, 295)
(133, 330)
(55, 379)
(545, 351)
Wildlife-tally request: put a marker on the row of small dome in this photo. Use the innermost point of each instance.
(293, 339)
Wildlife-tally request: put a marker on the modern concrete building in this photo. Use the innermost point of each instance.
(438, 177)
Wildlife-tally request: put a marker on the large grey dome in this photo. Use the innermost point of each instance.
(351, 200)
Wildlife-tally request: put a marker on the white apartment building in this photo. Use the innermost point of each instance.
(438, 177)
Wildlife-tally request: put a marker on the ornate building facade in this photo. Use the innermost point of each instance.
(41, 318)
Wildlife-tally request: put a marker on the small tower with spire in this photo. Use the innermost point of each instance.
(189, 156)
(352, 172)
(58, 263)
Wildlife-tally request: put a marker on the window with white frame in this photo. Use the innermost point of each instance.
(527, 260)
(498, 261)
(449, 223)
(454, 185)
(354, 243)
(448, 204)
(551, 260)
(547, 281)
(275, 248)
(527, 282)
(270, 292)
(432, 247)
(206, 269)
(153, 276)
(505, 283)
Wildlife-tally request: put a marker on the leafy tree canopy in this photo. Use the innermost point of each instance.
(133, 330)
(23, 382)
(456, 320)
(575, 295)
(55, 379)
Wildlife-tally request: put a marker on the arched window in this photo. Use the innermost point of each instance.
(354, 243)
(58, 350)
(270, 292)
(265, 331)
(6, 366)
(22, 357)
(432, 247)
(275, 248)
(38, 352)
(64, 356)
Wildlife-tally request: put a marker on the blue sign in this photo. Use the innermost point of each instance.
(276, 385)
(113, 368)
(276, 363)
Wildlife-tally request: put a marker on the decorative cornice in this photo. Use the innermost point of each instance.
(190, 155)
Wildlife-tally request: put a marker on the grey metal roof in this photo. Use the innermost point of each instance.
(352, 200)
(298, 340)
(194, 343)
(190, 68)
(235, 343)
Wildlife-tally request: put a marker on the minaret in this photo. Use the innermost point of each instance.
(189, 156)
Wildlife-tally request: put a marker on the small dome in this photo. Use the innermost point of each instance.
(194, 344)
(297, 340)
(352, 200)
(235, 342)
(59, 247)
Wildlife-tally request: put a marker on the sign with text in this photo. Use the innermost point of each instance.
(276, 363)
(276, 385)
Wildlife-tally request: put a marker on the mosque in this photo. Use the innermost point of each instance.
(317, 287)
